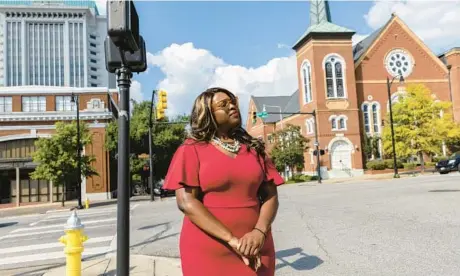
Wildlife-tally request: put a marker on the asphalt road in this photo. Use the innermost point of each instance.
(408, 226)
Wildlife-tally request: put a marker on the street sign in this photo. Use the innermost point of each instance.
(262, 114)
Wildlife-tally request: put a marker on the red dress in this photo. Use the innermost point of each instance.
(230, 188)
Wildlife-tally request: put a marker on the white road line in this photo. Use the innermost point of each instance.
(49, 256)
(49, 231)
(81, 216)
(49, 245)
(61, 225)
(84, 213)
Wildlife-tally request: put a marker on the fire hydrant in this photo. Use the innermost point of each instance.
(73, 240)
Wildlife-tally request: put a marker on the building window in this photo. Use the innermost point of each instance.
(92, 45)
(375, 118)
(94, 77)
(93, 60)
(371, 117)
(76, 38)
(310, 126)
(367, 127)
(338, 122)
(306, 79)
(64, 103)
(92, 52)
(34, 104)
(270, 138)
(14, 58)
(92, 36)
(334, 67)
(6, 104)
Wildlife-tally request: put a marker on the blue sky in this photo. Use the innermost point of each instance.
(245, 46)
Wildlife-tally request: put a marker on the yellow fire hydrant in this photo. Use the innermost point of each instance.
(73, 240)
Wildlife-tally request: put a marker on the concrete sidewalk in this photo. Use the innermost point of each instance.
(140, 265)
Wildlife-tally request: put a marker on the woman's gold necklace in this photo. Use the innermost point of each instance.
(233, 148)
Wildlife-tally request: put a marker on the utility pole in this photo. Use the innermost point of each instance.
(318, 166)
(152, 195)
(74, 99)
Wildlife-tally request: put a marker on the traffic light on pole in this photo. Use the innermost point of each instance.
(162, 104)
(254, 117)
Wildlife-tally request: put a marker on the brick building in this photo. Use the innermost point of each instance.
(346, 85)
(29, 113)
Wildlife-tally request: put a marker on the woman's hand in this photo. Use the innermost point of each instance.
(251, 243)
(254, 262)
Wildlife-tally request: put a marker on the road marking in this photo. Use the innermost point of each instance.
(50, 231)
(81, 216)
(50, 245)
(61, 225)
(50, 255)
(84, 213)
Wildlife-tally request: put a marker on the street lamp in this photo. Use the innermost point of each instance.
(389, 83)
(74, 100)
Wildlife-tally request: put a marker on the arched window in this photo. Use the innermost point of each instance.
(342, 124)
(309, 123)
(367, 127)
(334, 123)
(306, 80)
(375, 118)
(334, 67)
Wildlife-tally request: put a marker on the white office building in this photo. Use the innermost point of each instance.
(53, 43)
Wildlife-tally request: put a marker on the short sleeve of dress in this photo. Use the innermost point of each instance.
(271, 174)
(183, 169)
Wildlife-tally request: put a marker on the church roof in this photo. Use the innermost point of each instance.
(274, 103)
(360, 48)
(324, 28)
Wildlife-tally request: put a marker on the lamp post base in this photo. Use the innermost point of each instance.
(396, 175)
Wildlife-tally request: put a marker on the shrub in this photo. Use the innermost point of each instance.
(389, 164)
(430, 164)
(376, 165)
(410, 166)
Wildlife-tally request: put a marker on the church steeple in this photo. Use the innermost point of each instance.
(319, 12)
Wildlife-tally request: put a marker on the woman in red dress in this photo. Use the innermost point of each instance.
(226, 186)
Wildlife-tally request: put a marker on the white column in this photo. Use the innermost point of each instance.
(25, 59)
(66, 54)
(18, 187)
(85, 53)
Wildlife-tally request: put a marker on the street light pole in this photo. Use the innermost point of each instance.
(281, 114)
(75, 100)
(152, 196)
(395, 165)
(318, 167)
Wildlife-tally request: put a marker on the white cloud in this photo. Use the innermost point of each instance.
(136, 91)
(436, 22)
(189, 71)
(283, 46)
(356, 38)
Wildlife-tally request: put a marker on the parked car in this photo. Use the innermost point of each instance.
(159, 191)
(449, 165)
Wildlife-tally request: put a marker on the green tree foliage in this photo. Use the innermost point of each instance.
(371, 147)
(289, 148)
(57, 156)
(166, 139)
(418, 125)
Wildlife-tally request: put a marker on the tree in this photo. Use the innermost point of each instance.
(371, 147)
(57, 156)
(166, 139)
(289, 148)
(421, 124)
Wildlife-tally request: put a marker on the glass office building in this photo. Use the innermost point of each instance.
(52, 43)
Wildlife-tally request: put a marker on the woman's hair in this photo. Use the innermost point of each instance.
(204, 127)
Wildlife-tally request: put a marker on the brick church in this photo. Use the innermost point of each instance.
(347, 86)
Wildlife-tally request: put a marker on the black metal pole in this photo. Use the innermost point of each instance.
(79, 148)
(152, 195)
(318, 167)
(395, 165)
(124, 81)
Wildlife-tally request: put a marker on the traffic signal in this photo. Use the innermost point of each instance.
(254, 117)
(162, 104)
